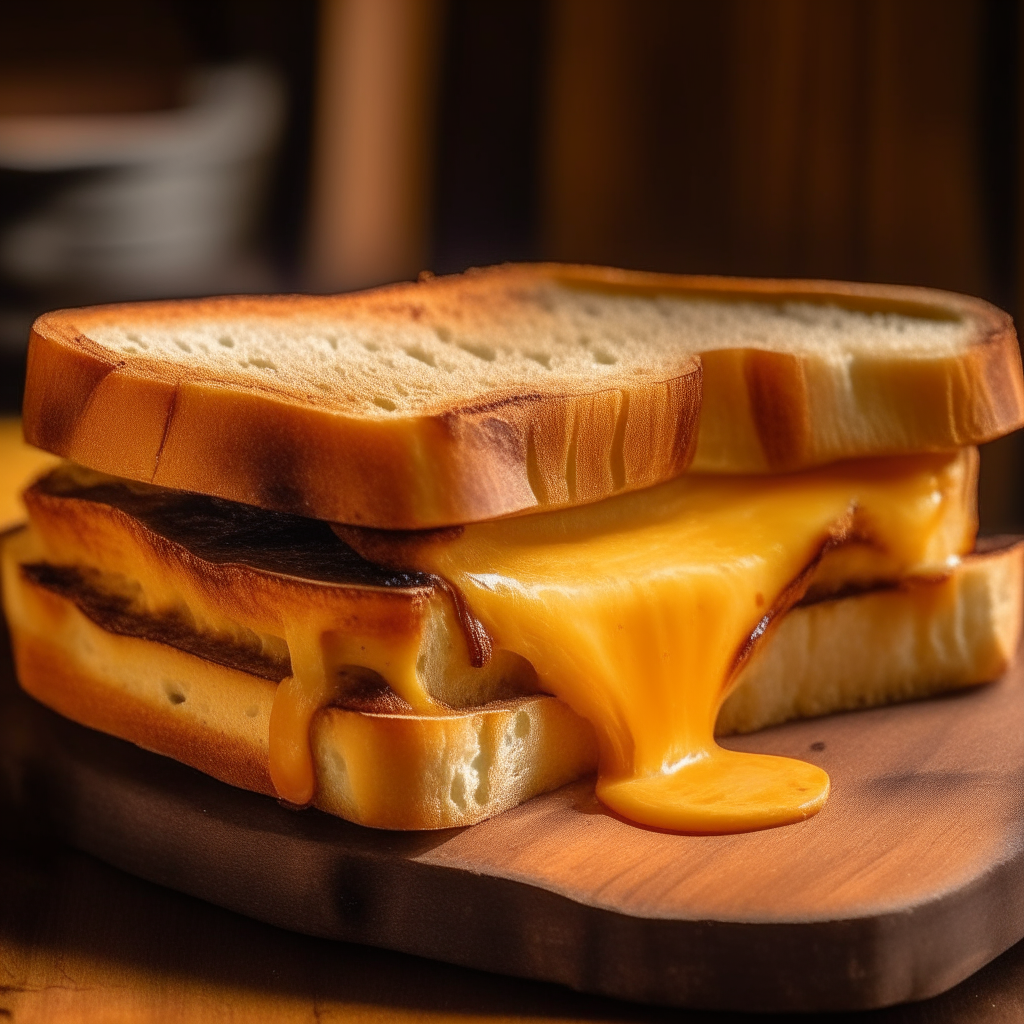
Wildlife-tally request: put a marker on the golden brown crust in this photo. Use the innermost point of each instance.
(397, 771)
(52, 673)
(147, 562)
(917, 639)
(518, 448)
(281, 449)
(404, 771)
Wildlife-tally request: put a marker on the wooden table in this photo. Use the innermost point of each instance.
(80, 941)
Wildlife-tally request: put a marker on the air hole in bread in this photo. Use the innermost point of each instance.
(521, 726)
(481, 764)
(174, 693)
(371, 346)
(540, 357)
(260, 363)
(458, 792)
(183, 345)
(332, 340)
(605, 358)
(421, 354)
(443, 334)
(484, 352)
(226, 340)
(384, 403)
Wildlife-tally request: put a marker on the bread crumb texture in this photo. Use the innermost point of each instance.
(514, 388)
(408, 351)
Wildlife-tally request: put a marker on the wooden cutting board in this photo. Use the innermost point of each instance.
(909, 880)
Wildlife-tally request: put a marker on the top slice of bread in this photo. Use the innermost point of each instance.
(513, 389)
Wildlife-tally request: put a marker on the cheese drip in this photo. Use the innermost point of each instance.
(639, 610)
(633, 611)
(317, 652)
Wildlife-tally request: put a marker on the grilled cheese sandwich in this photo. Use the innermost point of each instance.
(605, 633)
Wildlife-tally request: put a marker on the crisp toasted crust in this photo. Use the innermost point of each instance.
(409, 771)
(525, 442)
(398, 771)
(288, 446)
(244, 585)
(917, 639)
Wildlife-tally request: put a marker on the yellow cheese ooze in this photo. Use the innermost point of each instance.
(317, 653)
(637, 612)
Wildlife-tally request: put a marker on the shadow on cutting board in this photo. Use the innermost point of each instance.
(80, 940)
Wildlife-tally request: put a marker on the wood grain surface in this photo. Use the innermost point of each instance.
(911, 878)
(82, 942)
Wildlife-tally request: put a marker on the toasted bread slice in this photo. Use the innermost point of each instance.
(407, 771)
(243, 587)
(247, 588)
(885, 645)
(513, 389)
(165, 618)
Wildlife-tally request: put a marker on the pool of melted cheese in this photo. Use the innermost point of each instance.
(638, 611)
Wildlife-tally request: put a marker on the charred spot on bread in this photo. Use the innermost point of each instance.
(229, 532)
(49, 423)
(366, 691)
(109, 604)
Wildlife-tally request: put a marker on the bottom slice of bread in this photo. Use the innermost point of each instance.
(917, 639)
(406, 771)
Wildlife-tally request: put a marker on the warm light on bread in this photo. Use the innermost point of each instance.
(513, 389)
(407, 771)
(165, 617)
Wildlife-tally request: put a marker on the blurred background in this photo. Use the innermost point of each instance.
(152, 148)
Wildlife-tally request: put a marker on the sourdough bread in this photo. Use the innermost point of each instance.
(513, 389)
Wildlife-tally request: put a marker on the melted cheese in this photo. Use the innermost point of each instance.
(638, 611)
(318, 650)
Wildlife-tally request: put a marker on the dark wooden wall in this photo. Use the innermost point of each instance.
(835, 138)
(859, 139)
(866, 139)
